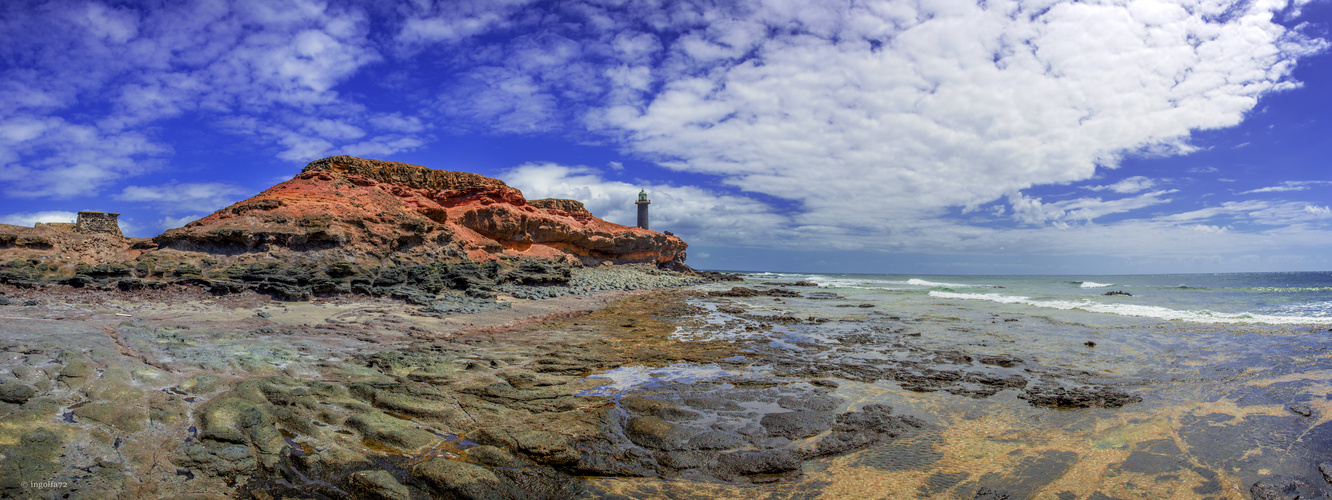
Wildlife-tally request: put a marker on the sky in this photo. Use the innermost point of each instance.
(922, 136)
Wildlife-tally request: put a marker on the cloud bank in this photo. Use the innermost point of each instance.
(925, 126)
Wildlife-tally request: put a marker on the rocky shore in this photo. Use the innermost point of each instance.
(173, 392)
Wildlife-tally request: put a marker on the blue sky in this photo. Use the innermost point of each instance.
(926, 136)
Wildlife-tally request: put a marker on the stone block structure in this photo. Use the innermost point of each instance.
(98, 222)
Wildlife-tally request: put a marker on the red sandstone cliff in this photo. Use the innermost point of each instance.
(347, 208)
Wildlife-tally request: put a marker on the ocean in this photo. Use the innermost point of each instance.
(1271, 298)
(1229, 378)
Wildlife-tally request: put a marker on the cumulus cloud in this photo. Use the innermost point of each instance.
(872, 115)
(175, 222)
(701, 216)
(907, 109)
(112, 72)
(1033, 211)
(453, 20)
(187, 196)
(871, 124)
(1126, 186)
(30, 218)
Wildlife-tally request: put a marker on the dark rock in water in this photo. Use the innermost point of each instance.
(682, 460)
(1078, 397)
(29, 303)
(738, 291)
(797, 424)
(653, 432)
(1118, 292)
(714, 440)
(1004, 361)
(840, 442)
(1089, 343)
(985, 493)
(798, 283)
(859, 429)
(756, 462)
(816, 402)
(719, 276)
(657, 408)
(741, 291)
(604, 459)
(1283, 488)
(4, 301)
(875, 418)
(1301, 410)
(824, 296)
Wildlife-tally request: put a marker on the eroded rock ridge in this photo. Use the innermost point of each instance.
(348, 224)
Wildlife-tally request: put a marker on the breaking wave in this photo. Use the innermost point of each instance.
(1142, 311)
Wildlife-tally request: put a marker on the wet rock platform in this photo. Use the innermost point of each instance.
(674, 393)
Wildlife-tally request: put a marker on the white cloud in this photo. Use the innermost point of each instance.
(175, 222)
(454, 20)
(1265, 213)
(699, 215)
(1288, 186)
(51, 157)
(914, 108)
(1126, 186)
(30, 218)
(188, 196)
(1318, 211)
(114, 71)
(1033, 211)
(869, 123)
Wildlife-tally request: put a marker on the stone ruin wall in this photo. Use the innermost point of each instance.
(98, 222)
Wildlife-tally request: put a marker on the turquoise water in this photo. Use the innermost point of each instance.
(1252, 298)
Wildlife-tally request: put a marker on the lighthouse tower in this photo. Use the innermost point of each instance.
(642, 209)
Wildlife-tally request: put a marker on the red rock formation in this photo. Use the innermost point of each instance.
(60, 243)
(346, 208)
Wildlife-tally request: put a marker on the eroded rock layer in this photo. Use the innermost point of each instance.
(347, 208)
(348, 225)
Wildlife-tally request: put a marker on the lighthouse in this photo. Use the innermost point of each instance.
(642, 209)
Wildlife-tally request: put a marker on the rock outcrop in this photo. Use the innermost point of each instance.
(358, 210)
(349, 225)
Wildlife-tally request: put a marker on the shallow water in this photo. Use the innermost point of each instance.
(1215, 417)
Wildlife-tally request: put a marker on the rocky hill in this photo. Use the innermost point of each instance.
(347, 208)
(346, 220)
